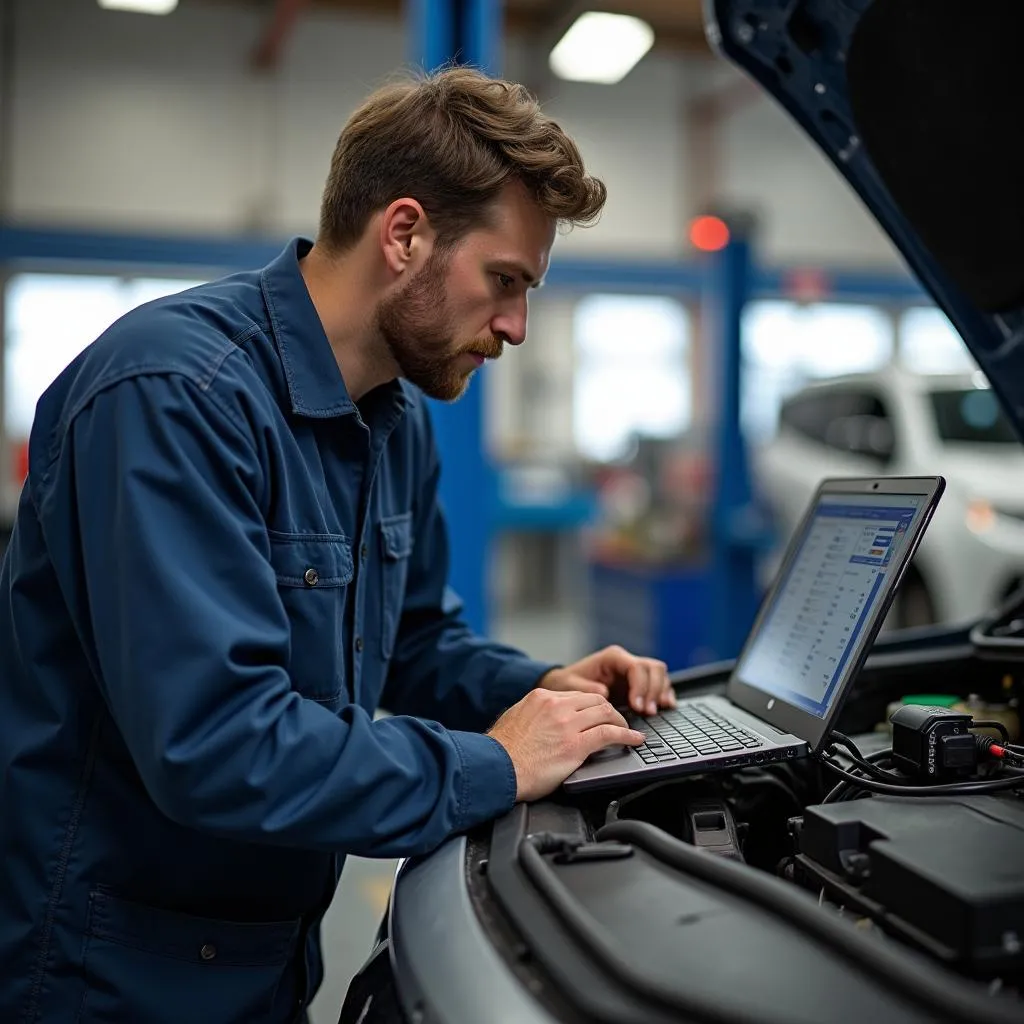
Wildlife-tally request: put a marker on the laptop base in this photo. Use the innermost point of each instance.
(622, 766)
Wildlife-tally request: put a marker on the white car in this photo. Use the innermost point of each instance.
(903, 424)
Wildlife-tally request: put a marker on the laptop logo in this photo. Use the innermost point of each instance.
(771, 704)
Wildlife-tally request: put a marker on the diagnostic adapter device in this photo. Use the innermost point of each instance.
(933, 743)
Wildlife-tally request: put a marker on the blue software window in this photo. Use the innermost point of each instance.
(832, 587)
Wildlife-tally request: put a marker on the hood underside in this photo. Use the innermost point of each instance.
(918, 103)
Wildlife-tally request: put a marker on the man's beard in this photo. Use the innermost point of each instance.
(420, 335)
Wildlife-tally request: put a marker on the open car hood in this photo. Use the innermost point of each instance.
(919, 105)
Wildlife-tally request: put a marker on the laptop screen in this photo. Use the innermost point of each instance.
(833, 590)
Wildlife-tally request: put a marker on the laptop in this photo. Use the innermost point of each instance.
(836, 582)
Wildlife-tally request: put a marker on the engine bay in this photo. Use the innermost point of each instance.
(928, 888)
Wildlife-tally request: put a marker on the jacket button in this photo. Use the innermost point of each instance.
(359, 645)
(208, 952)
(363, 552)
(312, 577)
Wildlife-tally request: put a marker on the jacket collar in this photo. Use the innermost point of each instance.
(315, 385)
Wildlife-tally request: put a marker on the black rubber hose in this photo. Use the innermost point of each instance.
(608, 954)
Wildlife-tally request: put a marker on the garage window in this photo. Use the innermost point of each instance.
(787, 344)
(632, 372)
(929, 343)
(50, 319)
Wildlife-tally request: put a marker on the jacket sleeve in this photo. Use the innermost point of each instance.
(191, 644)
(440, 668)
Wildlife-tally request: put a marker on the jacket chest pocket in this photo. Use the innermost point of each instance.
(395, 549)
(313, 575)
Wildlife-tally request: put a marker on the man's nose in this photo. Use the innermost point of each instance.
(511, 326)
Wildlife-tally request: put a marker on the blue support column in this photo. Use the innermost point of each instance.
(738, 527)
(465, 32)
(431, 29)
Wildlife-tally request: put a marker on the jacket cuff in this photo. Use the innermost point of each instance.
(487, 779)
(514, 680)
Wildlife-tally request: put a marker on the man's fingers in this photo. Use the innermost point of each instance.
(639, 678)
(649, 686)
(599, 714)
(608, 735)
(653, 687)
(617, 658)
(583, 685)
(646, 679)
(666, 695)
(581, 699)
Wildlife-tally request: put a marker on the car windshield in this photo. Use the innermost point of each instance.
(971, 415)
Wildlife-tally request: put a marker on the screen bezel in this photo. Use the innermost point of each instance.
(777, 711)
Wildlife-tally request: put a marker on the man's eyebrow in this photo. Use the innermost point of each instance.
(524, 273)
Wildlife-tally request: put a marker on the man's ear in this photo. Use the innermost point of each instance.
(406, 236)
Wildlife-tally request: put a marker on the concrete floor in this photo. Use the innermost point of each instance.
(349, 929)
(352, 921)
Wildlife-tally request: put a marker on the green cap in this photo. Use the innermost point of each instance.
(936, 700)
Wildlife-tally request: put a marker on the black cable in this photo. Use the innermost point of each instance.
(1003, 731)
(836, 793)
(841, 789)
(845, 740)
(855, 752)
(871, 768)
(844, 788)
(866, 764)
(1016, 781)
(1009, 756)
(888, 783)
(917, 981)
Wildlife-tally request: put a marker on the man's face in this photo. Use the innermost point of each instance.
(468, 301)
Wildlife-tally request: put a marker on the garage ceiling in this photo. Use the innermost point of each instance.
(678, 24)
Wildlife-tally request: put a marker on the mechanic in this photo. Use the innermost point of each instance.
(229, 551)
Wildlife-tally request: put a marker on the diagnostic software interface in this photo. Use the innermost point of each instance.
(831, 592)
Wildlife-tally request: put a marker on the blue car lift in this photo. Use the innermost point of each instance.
(739, 528)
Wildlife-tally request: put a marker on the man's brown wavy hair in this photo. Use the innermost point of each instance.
(452, 140)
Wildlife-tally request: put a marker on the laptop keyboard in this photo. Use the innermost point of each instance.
(691, 730)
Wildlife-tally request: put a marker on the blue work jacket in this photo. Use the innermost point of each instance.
(221, 567)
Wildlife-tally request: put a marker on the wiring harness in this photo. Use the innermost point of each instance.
(900, 774)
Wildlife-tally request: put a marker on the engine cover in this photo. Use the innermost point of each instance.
(945, 874)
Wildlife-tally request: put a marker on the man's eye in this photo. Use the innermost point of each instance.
(506, 281)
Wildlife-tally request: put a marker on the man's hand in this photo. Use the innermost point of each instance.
(549, 735)
(616, 674)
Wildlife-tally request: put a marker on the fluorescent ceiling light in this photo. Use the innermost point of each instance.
(140, 6)
(601, 48)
